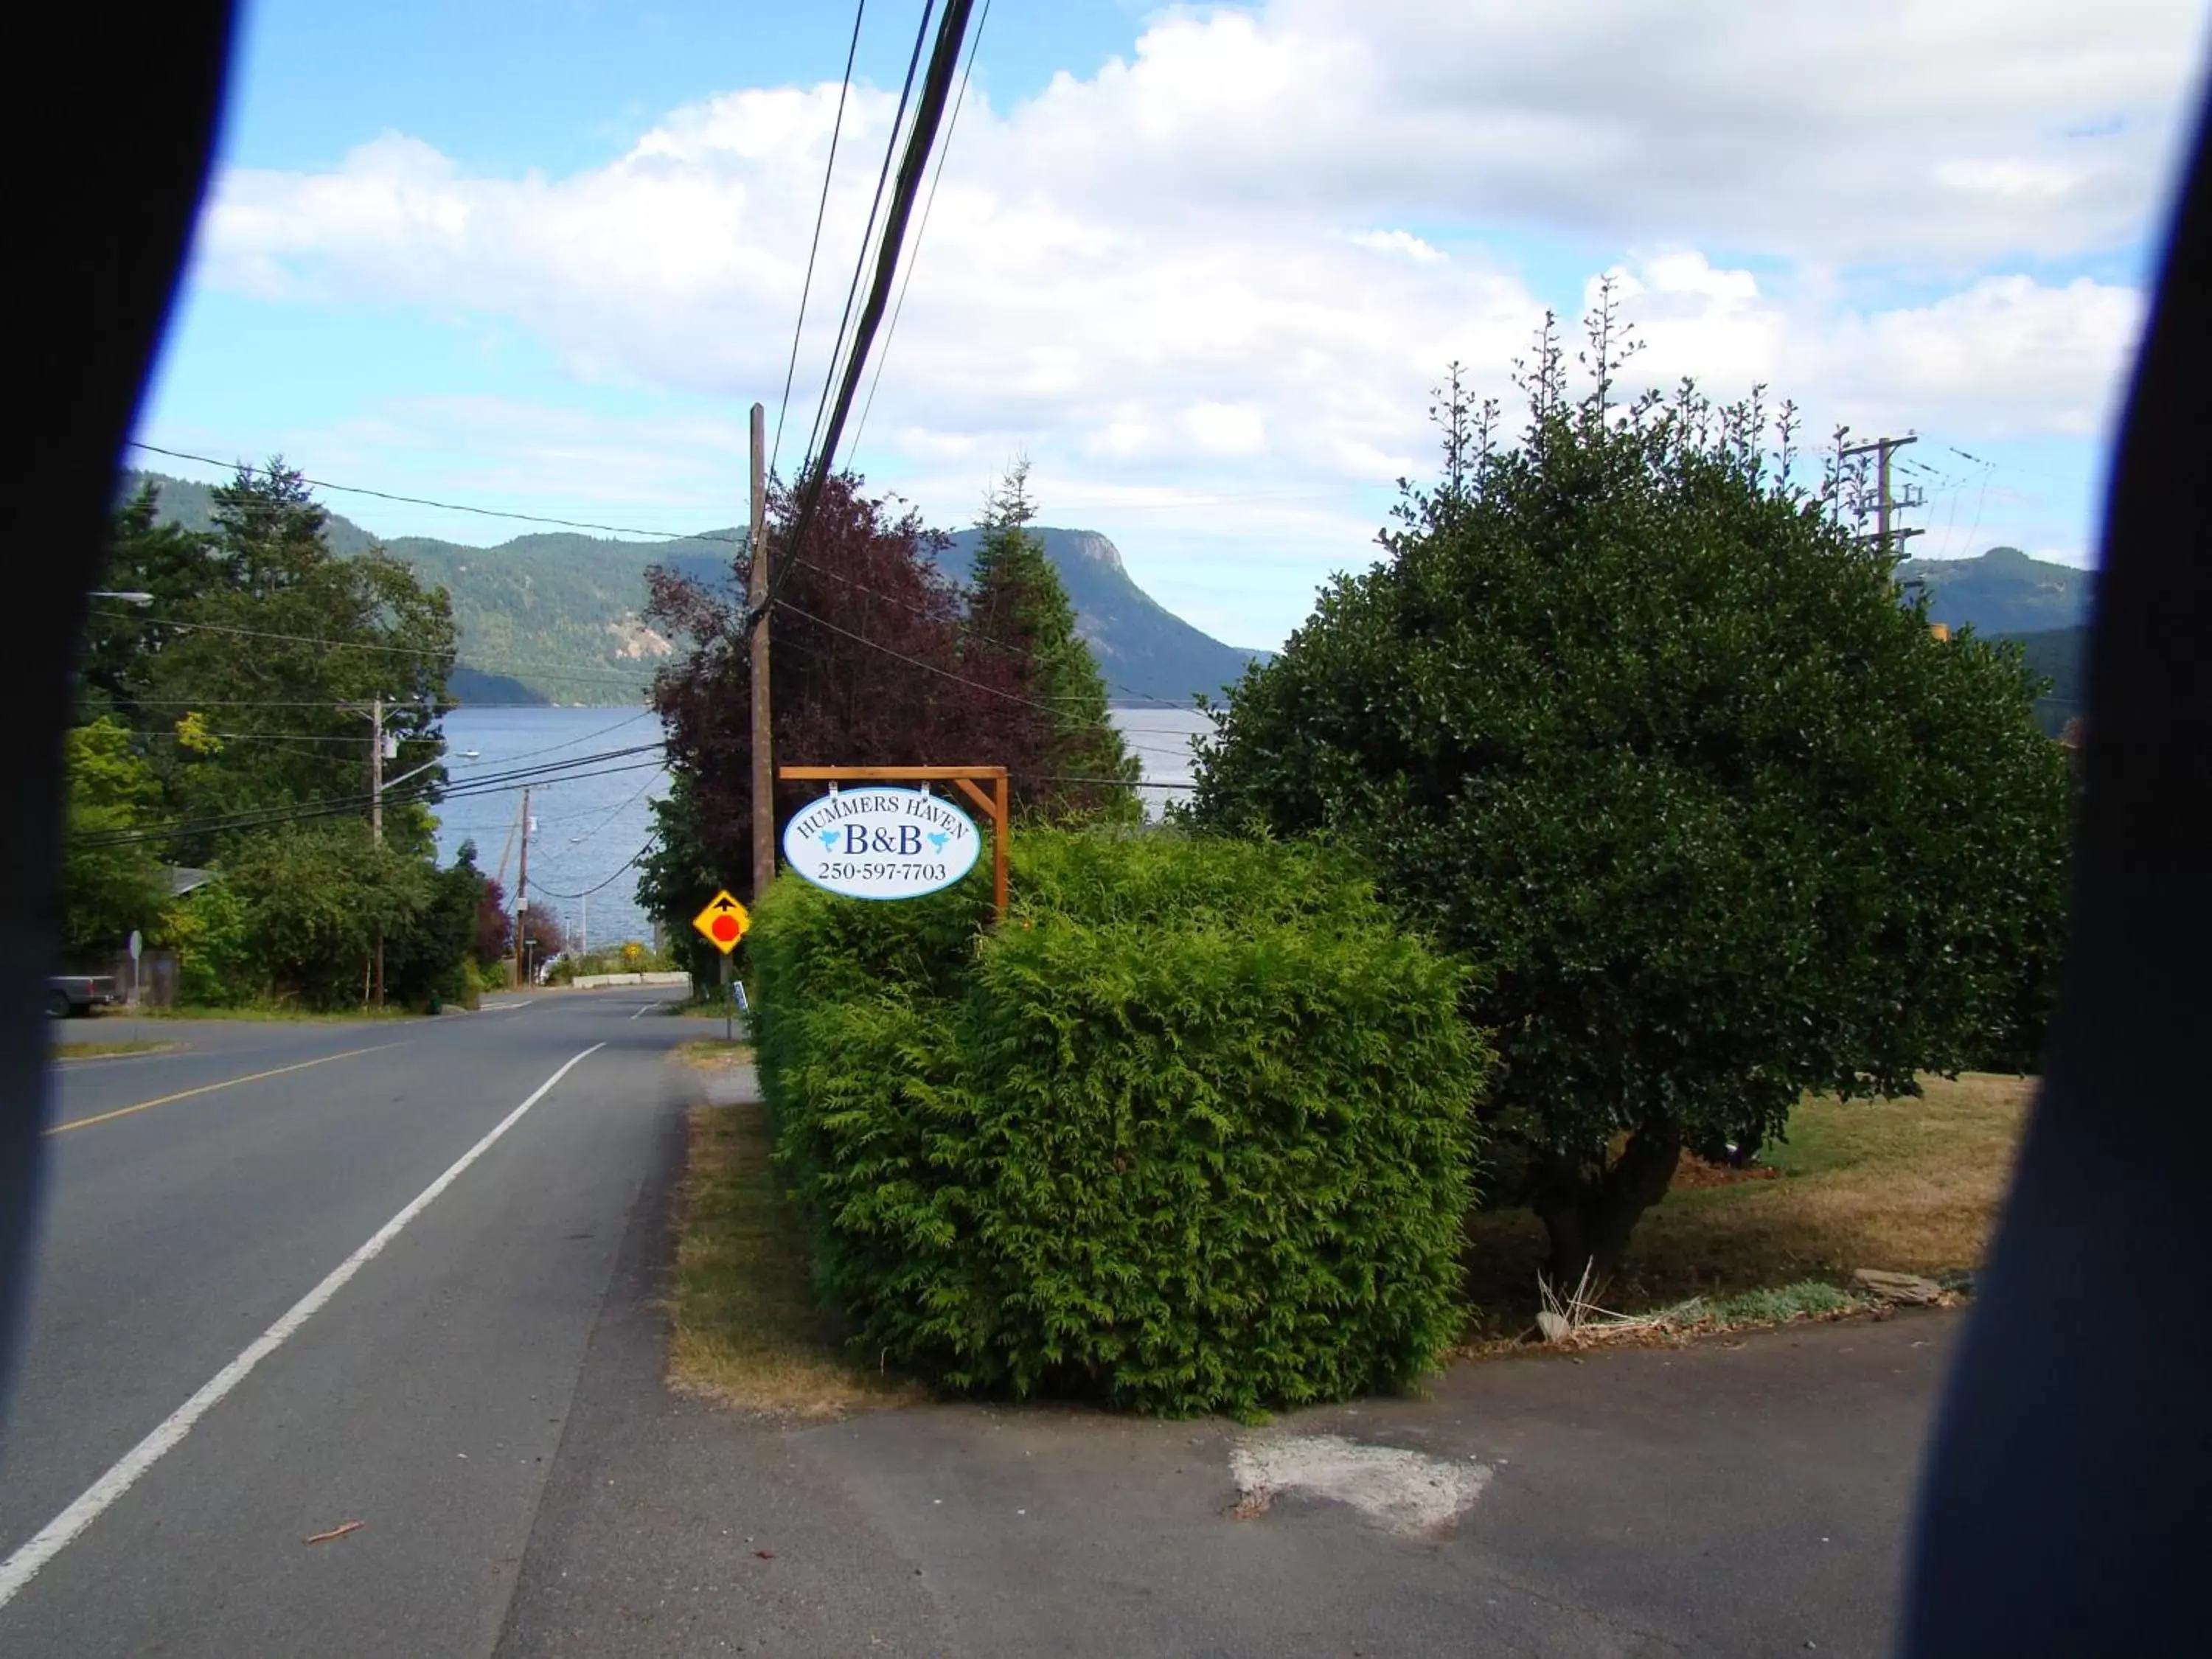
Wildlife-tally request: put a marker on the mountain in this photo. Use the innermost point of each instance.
(554, 617)
(2003, 594)
(2003, 591)
(1145, 650)
(2057, 654)
(544, 618)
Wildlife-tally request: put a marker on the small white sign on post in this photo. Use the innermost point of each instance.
(881, 841)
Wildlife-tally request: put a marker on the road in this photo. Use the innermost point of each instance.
(484, 1396)
(193, 1198)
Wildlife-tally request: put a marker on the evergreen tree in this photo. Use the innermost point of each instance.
(1021, 636)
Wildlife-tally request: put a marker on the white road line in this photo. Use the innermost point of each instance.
(23, 1565)
(647, 1009)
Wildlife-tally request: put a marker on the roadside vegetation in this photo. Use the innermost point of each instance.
(1636, 725)
(1617, 897)
(219, 769)
(1191, 1133)
(71, 1052)
(746, 1329)
(879, 661)
(1908, 1185)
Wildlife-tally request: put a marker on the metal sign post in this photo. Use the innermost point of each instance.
(722, 924)
(138, 947)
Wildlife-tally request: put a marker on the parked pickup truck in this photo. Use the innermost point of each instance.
(78, 994)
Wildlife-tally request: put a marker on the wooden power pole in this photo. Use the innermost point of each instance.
(764, 726)
(1888, 502)
(376, 770)
(522, 899)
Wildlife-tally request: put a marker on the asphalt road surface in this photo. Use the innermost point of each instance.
(482, 1392)
(198, 1199)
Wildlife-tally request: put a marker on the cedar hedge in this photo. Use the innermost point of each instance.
(1194, 1132)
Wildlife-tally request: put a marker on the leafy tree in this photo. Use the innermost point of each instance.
(1639, 727)
(680, 872)
(109, 886)
(174, 566)
(543, 933)
(875, 663)
(1021, 637)
(317, 896)
(429, 957)
(209, 928)
(495, 931)
(865, 667)
(266, 642)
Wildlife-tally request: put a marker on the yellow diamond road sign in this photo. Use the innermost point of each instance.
(723, 921)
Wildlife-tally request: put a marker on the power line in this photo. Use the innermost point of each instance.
(294, 639)
(627, 864)
(448, 506)
(868, 231)
(329, 806)
(937, 86)
(821, 211)
(973, 632)
(936, 174)
(586, 738)
(429, 791)
(605, 818)
(363, 645)
(929, 667)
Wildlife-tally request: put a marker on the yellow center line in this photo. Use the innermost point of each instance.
(209, 1088)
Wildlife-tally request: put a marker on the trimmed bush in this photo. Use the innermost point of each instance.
(1194, 1132)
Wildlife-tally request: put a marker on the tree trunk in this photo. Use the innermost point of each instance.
(1590, 1216)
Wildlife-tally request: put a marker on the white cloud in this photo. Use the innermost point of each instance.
(1399, 241)
(1197, 272)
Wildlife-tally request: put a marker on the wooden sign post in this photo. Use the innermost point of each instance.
(966, 778)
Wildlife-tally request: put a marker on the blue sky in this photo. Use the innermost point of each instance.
(1201, 265)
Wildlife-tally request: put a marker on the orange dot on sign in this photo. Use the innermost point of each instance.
(726, 929)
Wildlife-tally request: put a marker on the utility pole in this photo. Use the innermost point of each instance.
(764, 726)
(1888, 535)
(376, 772)
(374, 710)
(522, 898)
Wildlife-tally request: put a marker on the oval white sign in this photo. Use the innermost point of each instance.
(881, 843)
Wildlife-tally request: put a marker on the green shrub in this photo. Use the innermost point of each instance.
(1194, 1132)
(210, 929)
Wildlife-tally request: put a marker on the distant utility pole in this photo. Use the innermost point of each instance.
(764, 726)
(522, 898)
(1888, 534)
(376, 784)
(374, 710)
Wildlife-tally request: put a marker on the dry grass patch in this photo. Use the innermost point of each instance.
(1907, 1185)
(707, 1054)
(65, 1052)
(746, 1331)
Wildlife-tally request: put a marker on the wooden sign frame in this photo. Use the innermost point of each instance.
(967, 777)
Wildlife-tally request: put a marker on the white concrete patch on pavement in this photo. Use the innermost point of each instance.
(1404, 1492)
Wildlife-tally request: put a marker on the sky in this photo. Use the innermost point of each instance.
(1201, 265)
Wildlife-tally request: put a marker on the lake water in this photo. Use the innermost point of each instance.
(588, 828)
